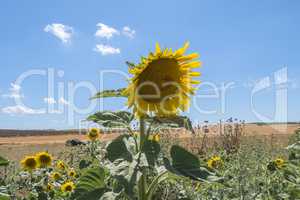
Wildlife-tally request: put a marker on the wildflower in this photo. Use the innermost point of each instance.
(55, 176)
(61, 165)
(72, 173)
(49, 187)
(44, 159)
(215, 162)
(29, 163)
(155, 137)
(162, 82)
(93, 134)
(68, 186)
(279, 163)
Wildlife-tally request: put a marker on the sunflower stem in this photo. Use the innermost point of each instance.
(142, 185)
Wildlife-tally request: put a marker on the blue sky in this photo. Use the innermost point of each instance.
(239, 41)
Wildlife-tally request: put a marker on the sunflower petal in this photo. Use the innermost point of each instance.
(157, 48)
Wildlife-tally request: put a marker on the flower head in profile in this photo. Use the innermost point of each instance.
(93, 134)
(55, 176)
(67, 186)
(162, 82)
(215, 162)
(44, 159)
(29, 163)
(61, 165)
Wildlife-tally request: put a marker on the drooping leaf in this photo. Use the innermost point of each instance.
(126, 164)
(128, 173)
(174, 121)
(3, 161)
(110, 93)
(91, 185)
(188, 165)
(109, 119)
(120, 148)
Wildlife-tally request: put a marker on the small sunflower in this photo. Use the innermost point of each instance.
(72, 173)
(279, 163)
(155, 137)
(215, 162)
(61, 165)
(162, 82)
(49, 187)
(44, 159)
(93, 134)
(55, 176)
(29, 163)
(68, 186)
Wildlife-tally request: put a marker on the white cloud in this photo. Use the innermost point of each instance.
(105, 31)
(20, 110)
(127, 31)
(63, 32)
(49, 100)
(14, 92)
(106, 49)
(63, 101)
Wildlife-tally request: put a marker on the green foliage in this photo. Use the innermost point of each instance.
(3, 161)
(188, 165)
(126, 164)
(169, 122)
(110, 93)
(4, 193)
(91, 185)
(152, 150)
(109, 119)
(122, 169)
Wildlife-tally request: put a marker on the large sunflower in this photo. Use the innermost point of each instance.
(162, 83)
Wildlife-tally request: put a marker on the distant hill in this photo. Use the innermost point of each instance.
(13, 132)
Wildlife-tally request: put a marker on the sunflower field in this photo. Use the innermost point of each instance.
(145, 162)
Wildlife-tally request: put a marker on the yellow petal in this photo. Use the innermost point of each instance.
(157, 48)
(194, 73)
(193, 64)
(182, 50)
(188, 57)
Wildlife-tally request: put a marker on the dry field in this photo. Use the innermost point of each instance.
(16, 147)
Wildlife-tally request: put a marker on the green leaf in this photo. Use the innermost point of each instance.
(128, 173)
(110, 93)
(91, 185)
(175, 121)
(109, 119)
(152, 150)
(4, 196)
(3, 193)
(120, 148)
(3, 161)
(109, 196)
(188, 165)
